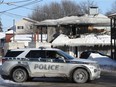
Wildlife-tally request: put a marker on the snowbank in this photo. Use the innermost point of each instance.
(2, 81)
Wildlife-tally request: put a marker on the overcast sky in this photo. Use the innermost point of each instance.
(7, 18)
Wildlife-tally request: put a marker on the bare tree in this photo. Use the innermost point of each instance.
(51, 11)
(85, 5)
(55, 10)
(112, 10)
(70, 8)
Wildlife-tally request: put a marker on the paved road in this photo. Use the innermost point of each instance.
(106, 80)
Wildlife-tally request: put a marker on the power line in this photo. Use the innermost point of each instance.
(11, 3)
(30, 3)
(22, 7)
(14, 14)
(19, 1)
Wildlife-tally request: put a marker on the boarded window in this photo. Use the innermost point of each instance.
(20, 27)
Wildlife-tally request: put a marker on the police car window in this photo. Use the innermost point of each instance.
(13, 53)
(36, 54)
(51, 54)
(66, 55)
(55, 56)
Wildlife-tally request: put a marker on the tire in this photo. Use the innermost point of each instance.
(80, 76)
(19, 75)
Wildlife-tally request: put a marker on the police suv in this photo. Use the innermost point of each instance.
(20, 65)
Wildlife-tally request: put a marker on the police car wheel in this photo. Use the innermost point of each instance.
(19, 75)
(80, 76)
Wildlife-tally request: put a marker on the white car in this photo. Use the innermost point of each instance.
(21, 64)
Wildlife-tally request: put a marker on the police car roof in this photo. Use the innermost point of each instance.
(40, 48)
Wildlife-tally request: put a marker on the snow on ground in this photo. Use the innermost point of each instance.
(5, 81)
(106, 63)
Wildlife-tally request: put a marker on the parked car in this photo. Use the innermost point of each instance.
(86, 54)
(20, 65)
(105, 61)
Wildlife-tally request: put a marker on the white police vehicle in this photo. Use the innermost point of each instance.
(22, 64)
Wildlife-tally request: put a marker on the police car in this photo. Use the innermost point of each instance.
(20, 65)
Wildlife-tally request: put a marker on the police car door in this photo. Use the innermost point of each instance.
(37, 63)
(55, 64)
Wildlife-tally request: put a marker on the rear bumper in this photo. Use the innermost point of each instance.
(3, 71)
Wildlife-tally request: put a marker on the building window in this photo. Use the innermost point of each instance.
(20, 27)
(31, 27)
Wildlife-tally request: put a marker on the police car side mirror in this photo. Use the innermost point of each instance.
(39, 59)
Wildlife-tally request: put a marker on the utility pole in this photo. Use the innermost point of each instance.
(113, 36)
(13, 30)
(1, 26)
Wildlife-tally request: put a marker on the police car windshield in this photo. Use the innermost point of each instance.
(65, 54)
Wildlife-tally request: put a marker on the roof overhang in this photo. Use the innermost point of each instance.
(112, 15)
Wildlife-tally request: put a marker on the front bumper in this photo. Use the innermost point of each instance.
(95, 74)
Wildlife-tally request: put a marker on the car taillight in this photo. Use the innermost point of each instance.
(3, 60)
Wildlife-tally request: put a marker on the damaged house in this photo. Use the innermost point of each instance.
(75, 34)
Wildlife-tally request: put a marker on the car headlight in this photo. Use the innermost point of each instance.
(93, 64)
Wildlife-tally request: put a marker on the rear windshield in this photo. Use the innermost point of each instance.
(13, 53)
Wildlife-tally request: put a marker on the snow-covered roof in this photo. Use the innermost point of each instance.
(61, 40)
(51, 22)
(68, 20)
(112, 15)
(86, 19)
(2, 35)
(100, 16)
(97, 19)
(9, 32)
(31, 20)
(87, 40)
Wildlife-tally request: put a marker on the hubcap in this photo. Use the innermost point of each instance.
(80, 76)
(19, 75)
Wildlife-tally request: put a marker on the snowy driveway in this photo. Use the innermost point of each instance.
(106, 80)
